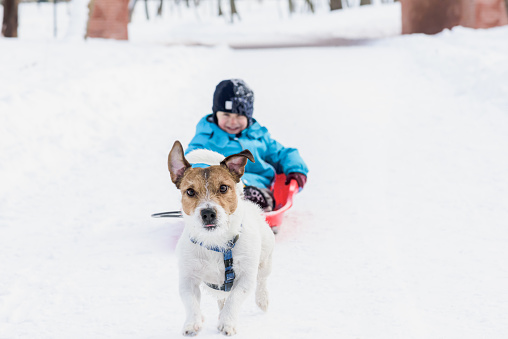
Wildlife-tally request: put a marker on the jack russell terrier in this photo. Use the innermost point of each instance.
(226, 245)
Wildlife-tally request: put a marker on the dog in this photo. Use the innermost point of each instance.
(226, 246)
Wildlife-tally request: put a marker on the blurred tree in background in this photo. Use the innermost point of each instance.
(335, 4)
(291, 6)
(10, 20)
(232, 5)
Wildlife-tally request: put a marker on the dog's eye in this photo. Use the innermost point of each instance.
(191, 192)
(223, 188)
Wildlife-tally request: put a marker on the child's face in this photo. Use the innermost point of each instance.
(231, 122)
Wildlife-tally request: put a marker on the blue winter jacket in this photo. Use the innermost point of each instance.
(271, 157)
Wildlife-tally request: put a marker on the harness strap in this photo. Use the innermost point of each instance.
(229, 275)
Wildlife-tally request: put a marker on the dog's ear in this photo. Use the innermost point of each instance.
(177, 163)
(236, 163)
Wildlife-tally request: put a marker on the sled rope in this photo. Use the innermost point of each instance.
(172, 214)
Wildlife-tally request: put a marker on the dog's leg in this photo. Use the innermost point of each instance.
(264, 270)
(229, 314)
(191, 297)
(221, 303)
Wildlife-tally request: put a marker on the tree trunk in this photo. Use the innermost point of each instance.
(220, 9)
(365, 2)
(159, 10)
(91, 6)
(311, 5)
(506, 6)
(337, 4)
(131, 8)
(233, 9)
(292, 6)
(10, 21)
(146, 10)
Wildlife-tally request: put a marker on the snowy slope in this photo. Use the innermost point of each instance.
(400, 232)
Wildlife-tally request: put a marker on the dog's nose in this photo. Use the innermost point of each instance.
(208, 215)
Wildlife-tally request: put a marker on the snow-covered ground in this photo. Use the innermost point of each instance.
(401, 231)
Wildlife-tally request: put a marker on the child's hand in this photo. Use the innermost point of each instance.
(300, 178)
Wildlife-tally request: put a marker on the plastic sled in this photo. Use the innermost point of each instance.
(283, 195)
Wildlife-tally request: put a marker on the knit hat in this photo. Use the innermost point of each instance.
(233, 96)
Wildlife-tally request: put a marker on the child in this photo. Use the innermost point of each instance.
(231, 129)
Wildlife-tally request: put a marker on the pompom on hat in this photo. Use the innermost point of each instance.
(233, 96)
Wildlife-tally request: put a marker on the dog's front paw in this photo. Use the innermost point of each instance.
(262, 300)
(192, 329)
(227, 329)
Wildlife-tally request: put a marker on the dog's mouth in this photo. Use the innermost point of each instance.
(210, 227)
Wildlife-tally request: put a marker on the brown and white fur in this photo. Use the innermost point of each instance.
(218, 188)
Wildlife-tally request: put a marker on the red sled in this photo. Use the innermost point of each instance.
(283, 195)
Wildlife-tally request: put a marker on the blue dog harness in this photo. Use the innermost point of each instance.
(229, 276)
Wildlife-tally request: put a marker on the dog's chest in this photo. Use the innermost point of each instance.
(210, 266)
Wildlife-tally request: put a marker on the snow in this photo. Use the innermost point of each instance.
(399, 233)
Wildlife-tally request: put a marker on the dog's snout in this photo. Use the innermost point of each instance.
(208, 215)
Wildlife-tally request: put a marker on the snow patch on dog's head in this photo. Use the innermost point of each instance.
(204, 156)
